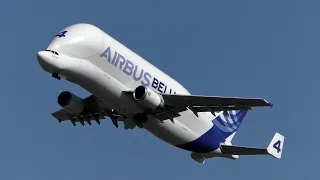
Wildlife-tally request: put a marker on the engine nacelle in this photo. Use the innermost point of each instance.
(148, 98)
(71, 102)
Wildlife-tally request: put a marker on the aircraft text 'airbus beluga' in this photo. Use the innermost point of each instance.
(127, 88)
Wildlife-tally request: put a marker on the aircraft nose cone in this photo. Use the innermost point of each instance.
(41, 55)
(45, 61)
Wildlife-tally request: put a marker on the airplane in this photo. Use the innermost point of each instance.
(126, 88)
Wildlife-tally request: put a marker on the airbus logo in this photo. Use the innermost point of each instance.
(136, 72)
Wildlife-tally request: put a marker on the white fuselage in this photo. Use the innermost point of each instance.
(103, 66)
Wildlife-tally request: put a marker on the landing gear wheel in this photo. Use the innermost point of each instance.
(56, 75)
(140, 118)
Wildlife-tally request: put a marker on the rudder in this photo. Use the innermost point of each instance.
(226, 124)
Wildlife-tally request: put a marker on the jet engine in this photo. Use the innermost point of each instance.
(148, 98)
(71, 102)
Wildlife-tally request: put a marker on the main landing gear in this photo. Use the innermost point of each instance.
(140, 118)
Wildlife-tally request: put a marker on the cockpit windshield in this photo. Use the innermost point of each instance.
(54, 52)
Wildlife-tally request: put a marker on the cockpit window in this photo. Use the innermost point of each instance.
(54, 52)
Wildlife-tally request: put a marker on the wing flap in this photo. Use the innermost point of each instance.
(219, 108)
(63, 115)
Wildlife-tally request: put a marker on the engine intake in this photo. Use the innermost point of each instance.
(71, 102)
(148, 98)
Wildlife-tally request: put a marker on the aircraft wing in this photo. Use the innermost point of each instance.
(195, 103)
(94, 110)
(202, 103)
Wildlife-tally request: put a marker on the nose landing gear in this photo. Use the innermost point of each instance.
(59, 76)
(56, 75)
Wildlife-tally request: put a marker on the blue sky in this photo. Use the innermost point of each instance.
(250, 48)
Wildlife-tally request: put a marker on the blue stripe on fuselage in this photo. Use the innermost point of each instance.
(217, 134)
(208, 142)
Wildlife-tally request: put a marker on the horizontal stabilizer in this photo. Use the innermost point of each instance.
(274, 148)
(239, 150)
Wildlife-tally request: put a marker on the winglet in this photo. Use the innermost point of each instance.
(275, 147)
(271, 105)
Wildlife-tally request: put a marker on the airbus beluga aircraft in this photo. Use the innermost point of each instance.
(127, 88)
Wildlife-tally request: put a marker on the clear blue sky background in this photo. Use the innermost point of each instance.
(250, 48)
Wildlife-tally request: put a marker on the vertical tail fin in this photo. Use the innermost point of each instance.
(227, 124)
(276, 145)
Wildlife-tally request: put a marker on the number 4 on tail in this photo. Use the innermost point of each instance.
(277, 146)
(62, 34)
